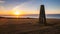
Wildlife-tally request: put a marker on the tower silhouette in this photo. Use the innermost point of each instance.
(42, 17)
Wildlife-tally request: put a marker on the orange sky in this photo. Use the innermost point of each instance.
(9, 7)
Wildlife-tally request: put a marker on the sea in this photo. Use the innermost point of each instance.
(53, 16)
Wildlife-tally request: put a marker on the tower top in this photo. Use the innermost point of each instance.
(42, 5)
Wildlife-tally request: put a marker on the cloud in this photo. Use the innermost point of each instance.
(2, 1)
(27, 7)
(2, 8)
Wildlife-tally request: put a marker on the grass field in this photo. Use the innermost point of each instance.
(28, 26)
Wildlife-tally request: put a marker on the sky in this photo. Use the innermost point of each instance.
(8, 7)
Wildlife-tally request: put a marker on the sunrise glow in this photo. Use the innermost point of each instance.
(25, 7)
(17, 13)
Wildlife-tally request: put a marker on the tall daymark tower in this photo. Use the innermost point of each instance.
(42, 16)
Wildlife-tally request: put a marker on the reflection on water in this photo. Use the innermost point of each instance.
(56, 16)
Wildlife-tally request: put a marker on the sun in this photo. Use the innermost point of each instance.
(17, 13)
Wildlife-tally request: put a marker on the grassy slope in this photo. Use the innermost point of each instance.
(17, 26)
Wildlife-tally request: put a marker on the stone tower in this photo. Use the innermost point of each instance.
(42, 17)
